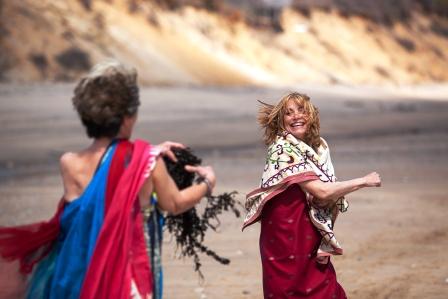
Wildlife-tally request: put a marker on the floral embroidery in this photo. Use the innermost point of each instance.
(292, 161)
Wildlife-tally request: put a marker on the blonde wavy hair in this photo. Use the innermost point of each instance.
(270, 118)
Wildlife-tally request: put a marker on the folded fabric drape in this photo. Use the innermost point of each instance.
(292, 161)
(94, 246)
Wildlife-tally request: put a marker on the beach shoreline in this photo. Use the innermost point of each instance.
(394, 237)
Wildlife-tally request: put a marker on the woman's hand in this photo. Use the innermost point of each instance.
(166, 149)
(373, 179)
(203, 171)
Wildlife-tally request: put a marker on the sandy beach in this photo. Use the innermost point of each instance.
(394, 237)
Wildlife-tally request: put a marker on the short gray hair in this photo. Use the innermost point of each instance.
(104, 96)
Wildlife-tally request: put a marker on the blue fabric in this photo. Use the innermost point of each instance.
(154, 227)
(81, 223)
(40, 283)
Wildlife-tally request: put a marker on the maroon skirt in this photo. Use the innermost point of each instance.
(288, 245)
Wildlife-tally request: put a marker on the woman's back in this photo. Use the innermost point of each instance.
(78, 169)
(95, 246)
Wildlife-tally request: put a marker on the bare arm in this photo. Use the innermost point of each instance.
(331, 191)
(169, 197)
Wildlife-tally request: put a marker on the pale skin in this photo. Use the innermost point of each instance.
(295, 122)
(77, 169)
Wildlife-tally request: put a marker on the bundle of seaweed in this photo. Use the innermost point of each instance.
(189, 228)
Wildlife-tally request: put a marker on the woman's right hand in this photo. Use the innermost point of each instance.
(203, 171)
(169, 197)
(373, 179)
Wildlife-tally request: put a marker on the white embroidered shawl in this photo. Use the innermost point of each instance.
(292, 161)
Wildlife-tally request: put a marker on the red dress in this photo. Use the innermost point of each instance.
(288, 245)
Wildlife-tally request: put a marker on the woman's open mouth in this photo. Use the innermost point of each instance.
(298, 124)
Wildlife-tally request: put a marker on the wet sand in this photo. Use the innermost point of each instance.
(394, 237)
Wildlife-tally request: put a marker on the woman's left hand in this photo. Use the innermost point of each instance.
(166, 149)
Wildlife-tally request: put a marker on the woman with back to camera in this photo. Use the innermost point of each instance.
(94, 246)
(298, 202)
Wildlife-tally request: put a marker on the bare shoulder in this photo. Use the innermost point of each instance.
(72, 166)
(67, 161)
(67, 157)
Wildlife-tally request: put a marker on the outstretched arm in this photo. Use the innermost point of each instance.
(331, 191)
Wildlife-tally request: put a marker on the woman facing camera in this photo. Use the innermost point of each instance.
(297, 203)
(94, 246)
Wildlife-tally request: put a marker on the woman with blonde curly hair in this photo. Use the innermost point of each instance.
(297, 203)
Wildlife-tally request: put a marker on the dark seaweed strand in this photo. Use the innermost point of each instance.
(189, 228)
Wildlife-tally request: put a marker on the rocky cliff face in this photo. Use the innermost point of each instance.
(209, 43)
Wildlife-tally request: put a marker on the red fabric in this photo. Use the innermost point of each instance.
(288, 245)
(140, 267)
(291, 180)
(113, 262)
(122, 156)
(30, 243)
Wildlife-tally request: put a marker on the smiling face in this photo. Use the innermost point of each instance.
(295, 120)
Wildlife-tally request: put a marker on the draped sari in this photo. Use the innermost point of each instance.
(296, 236)
(94, 246)
(291, 161)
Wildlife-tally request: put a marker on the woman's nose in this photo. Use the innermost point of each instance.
(296, 115)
